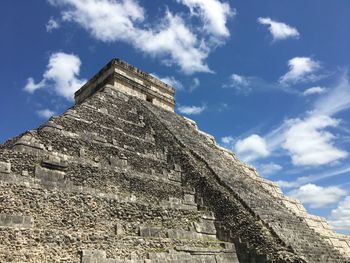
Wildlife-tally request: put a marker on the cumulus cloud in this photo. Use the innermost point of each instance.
(318, 196)
(314, 90)
(214, 14)
(191, 110)
(340, 217)
(171, 39)
(270, 168)
(279, 30)
(61, 76)
(45, 113)
(309, 143)
(52, 24)
(301, 69)
(251, 148)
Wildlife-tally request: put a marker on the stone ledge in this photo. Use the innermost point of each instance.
(5, 167)
(17, 221)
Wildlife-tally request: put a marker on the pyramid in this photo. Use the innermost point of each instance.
(120, 177)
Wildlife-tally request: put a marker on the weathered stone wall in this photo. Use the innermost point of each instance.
(100, 184)
(264, 198)
(126, 78)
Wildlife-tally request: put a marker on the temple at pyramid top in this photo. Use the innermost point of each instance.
(129, 79)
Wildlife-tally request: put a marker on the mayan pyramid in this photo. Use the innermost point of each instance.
(120, 177)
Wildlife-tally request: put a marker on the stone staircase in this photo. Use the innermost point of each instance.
(99, 184)
(290, 229)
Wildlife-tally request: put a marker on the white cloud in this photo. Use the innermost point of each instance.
(227, 141)
(31, 86)
(214, 14)
(171, 39)
(61, 75)
(239, 80)
(301, 69)
(317, 196)
(240, 83)
(191, 110)
(52, 24)
(336, 99)
(309, 143)
(340, 217)
(251, 148)
(246, 84)
(45, 113)
(175, 43)
(314, 90)
(195, 84)
(279, 30)
(170, 80)
(270, 168)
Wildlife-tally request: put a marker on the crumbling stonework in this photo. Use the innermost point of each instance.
(117, 178)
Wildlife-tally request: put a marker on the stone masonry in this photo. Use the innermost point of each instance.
(120, 177)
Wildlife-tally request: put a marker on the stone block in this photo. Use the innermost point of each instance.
(52, 127)
(28, 144)
(103, 110)
(149, 137)
(227, 258)
(93, 256)
(189, 199)
(205, 227)
(118, 162)
(54, 163)
(119, 229)
(174, 176)
(177, 168)
(146, 231)
(5, 220)
(17, 221)
(5, 167)
(47, 175)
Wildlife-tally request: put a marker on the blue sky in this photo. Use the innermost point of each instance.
(269, 79)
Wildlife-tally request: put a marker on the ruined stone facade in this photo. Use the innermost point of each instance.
(120, 178)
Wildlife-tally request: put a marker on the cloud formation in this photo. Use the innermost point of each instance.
(301, 69)
(318, 196)
(45, 113)
(170, 80)
(309, 143)
(195, 84)
(171, 39)
(51, 25)
(61, 76)
(269, 168)
(251, 148)
(246, 84)
(314, 90)
(340, 217)
(213, 13)
(336, 99)
(279, 30)
(191, 110)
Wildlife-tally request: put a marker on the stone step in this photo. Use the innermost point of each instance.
(77, 246)
(57, 208)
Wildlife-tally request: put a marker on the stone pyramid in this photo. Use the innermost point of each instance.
(120, 177)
